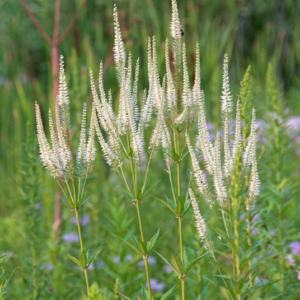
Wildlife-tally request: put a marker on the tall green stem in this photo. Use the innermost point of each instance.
(182, 288)
(236, 243)
(179, 217)
(137, 202)
(81, 247)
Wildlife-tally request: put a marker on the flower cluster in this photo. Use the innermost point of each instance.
(58, 158)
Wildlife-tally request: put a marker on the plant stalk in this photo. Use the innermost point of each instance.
(81, 247)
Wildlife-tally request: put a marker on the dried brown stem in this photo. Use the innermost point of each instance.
(72, 23)
(36, 22)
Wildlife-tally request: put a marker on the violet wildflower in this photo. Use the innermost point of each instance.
(156, 286)
(295, 247)
(293, 123)
(116, 259)
(100, 265)
(290, 260)
(168, 269)
(71, 238)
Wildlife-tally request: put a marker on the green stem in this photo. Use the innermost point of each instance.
(180, 237)
(81, 247)
(182, 288)
(140, 220)
(250, 262)
(148, 277)
(236, 242)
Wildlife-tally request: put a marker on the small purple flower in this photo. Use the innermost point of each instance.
(141, 264)
(100, 265)
(210, 126)
(151, 260)
(71, 238)
(255, 231)
(116, 259)
(260, 124)
(295, 247)
(91, 267)
(155, 285)
(168, 269)
(256, 218)
(83, 221)
(37, 206)
(48, 266)
(298, 273)
(129, 257)
(290, 260)
(293, 123)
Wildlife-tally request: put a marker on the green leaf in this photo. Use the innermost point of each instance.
(84, 257)
(179, 206)
(187, 206)
(177, 264)
(131, 246)
(133, 238)
(166, 295)
(125, 297)
(144, 293)
(152, 241)
(171, 202)
(156, 243)
(193, 263)
(76, 261)
(184, 155)
(142, 246)
(167, 262)
(95, 255)
(68, 201)
(167, 205)
(125, 193)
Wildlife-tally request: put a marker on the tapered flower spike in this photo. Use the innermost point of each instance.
(63, 104)
(108, 153)
(108, 112)
(119, 50)
(220, 188)
(146, 111)
(155, 82)
(226, 100)
(81, 153)
(204, 142)
(175, 27)
(171, 91)
(65, 152)
(201, 224)
(247, 157)
(90, 146)
(199, 176)
(254, 186)
(237, 145)
(55, 146)
(45, 150)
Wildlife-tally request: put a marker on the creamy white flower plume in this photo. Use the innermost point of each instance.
(226, 99)
(200, 224)
(237, 145)
(175, 27)
(220, 188)
(254, 186)
(119, 50)
(199, 176)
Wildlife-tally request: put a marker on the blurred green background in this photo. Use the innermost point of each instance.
(251, 32)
